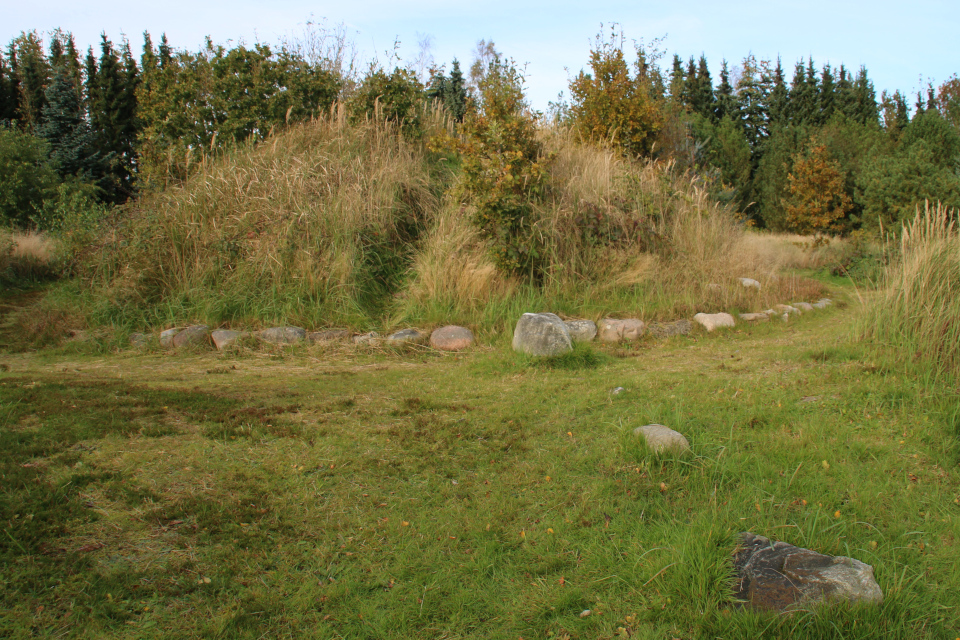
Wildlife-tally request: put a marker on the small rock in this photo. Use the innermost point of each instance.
(166, 337)
(282, 335)
(754, 317)
(612, 330)
(803, 306)
(617, 391)
(785, 317)
(777, 576)
(198, 334)
(139, 340)
(541, 334)
(581, 330)
(823, 303)
(667, 329)
(711, 321)
(785, 308)
(585, 613)
(660, 438)
(408, 336)
(223, 338)
(451, 338)
(371, 337)
(750, 283)
(328, 335)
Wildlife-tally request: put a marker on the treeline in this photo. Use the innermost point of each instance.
(818, 152)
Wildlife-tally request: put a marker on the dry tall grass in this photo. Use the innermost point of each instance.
(27, 255)
(916, 317)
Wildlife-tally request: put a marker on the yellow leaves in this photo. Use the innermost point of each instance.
(837, 514)
(549, 530)
(873, 544)
(404, 524)
(826, 465)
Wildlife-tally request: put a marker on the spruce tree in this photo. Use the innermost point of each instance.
(752, 103)
(798, 96)
(456, 99)
(866, 99)
(8, 93)
(726, 101)
(827, 94)
(703, 99)
(112, 103)
(843, 100)
(65, 128)
(689, 93)
(779, 97)
(677, 80)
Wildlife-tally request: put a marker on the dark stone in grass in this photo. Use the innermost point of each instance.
(283, 335)
(451, 338)
(408, 336)
(541, 334)
(667, 329)
(139, 340)
(198, 334)
(329, 335)
(776, 576)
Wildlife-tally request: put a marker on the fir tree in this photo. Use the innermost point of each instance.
(456, 98)
(33, 73)
(752, 103)
(827, 94)
(779, 97)
(866, 99)
(703, 101)
(8, 93)
(688, 96)
(726, 101)
(799, 96)
(677, 80)
(843, 100)
(66, 130)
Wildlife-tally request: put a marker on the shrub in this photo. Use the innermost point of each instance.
(26, 178)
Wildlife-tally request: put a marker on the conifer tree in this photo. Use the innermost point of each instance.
(703, 100)
(9, 93)
(752, 103)
(843, 100)
(798, 97)
(779, 97)
(827, 94)
(866, 99)
(688, 96)
(65, 128)
(677, 80)
(33, 73)
(726, 101)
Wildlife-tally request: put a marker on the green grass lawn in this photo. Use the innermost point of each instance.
(369, 494)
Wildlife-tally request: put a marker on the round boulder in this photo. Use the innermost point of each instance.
(542, 334)
(223, 338)
(711, 321)
(451, 338)
(660, 438)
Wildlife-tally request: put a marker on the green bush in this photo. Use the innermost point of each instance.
(27, 180)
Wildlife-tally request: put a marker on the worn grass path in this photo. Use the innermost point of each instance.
(371, 494)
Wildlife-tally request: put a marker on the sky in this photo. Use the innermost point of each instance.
(903, 45)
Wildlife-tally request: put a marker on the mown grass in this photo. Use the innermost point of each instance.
(406, 494)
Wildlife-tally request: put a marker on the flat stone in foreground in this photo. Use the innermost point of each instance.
(371, 337)
(451, 338)
(660, 438)
(754, 317)
(282, 335)
(581, 330)
(803, 306)
(542, 334)
(197, 335)
(777, 576)
(711, 321)
(786, 308)
(823, 303)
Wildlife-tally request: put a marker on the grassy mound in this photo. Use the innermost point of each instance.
(334, 222)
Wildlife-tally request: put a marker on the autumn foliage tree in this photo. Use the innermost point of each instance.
(609, 104)
(817, 201)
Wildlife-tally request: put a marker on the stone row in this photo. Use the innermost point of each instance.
(547, 335)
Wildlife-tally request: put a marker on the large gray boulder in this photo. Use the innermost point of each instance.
(712, 321)
(581, 330)
(660, 438)
(283, 335)
(542, 334)
(777, 576)
(451, 338)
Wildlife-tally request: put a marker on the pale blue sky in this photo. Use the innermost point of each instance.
(898, 41)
